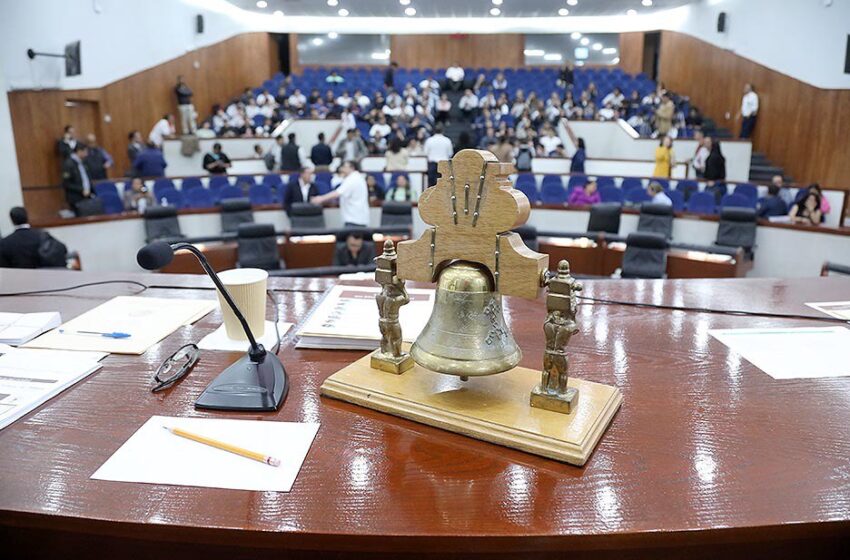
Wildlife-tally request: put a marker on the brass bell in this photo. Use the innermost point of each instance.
(466, 334)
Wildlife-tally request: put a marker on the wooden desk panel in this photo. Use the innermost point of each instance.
(707, 453)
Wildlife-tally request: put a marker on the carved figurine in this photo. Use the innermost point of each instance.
(561, 307)
(393, 296)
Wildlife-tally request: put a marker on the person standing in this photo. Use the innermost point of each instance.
(715, 169)
(135, 146)
(437, 148)
(353, 195)
(578, 159)
(304, 191)
(217, 162)
(749, 111)
(321, 154)
(149, 163)
(665, 159)
(185, 107)
(23, 247)
(98, 161)
(700, 155)
(389, 75)
(65, 145)
(290, 155)
(75, 177)
(454, 77)
(664, 115)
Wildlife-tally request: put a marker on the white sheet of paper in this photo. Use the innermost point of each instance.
(148, 320)
(792, 353)
(218, 339)
(155, 456)
(837, 309)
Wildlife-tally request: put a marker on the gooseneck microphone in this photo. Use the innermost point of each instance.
(257, 381)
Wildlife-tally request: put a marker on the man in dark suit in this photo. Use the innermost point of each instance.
(301, 190)
(321, 154)
(149, 163)
(75, 177)
(65, 145)
(20, 249)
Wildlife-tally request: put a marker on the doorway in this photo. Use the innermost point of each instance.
(651, 48)
(84, 116)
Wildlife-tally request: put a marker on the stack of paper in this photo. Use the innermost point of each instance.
(28, 378)
(348, 318)
(147, 320)
(18, 328)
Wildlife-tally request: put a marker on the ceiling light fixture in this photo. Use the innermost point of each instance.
(380, 56)
(597, 46)
(552, 56)
(277, 13)
(575, 35)
(563, 12)
(646, 3)
(585, 41)
(615, 60)
(495, 11)
(410, 11)
(404, 2)
(343, 12)
(609, 50)
(631, 12)
(572, 2)
(533, 52)
(580, 63)
(333, 3)
(333, 35)
(318, 42)
(262, 4)
(497, 2)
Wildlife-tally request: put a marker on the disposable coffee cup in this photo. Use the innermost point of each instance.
(247, 287)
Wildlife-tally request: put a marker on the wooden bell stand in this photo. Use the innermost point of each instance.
(469, 211)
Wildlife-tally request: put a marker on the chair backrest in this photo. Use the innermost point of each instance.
(273, 181)
(552, 189)
(379, 180)
(107, 187)
(748, 191)
(605, 182)
(173, 197)
(245, 180)
(605, 217)
(610, 193)
(737, 228)
(161, 223)
(678, 200)
(702, 203)
(687, 187)
(656, 218)
(112, 203)
(396, 213)
(230, 192)
(529, 189)
(306, 215)
(235, 212)
(630, 183)
(162, 185)
(218, 182)
(528, 233)
(190, 183)
(574, 180)
(645, 256)
(637, 196)
(737, 201)
(257, 247)
(200, 198)
(261, 194)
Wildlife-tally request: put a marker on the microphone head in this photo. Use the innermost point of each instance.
(154, 256)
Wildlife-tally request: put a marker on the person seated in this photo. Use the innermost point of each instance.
(772, 205)
(585, 195)
(468, 104)
(824, 203)
(401, 191)
(29, 247)
(807, 211)
(356, 251)
(379, 132)
(615, 99)
(206, 131)
(137, 197)
(301, 190)
(375, 192)
(656, 191)
(217, 162)
(551, 144)
(500, 84)
(334, 78)
(454, 77)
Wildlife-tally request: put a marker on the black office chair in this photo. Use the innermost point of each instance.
(645, 256)
(161, 224)
(234, 213)
(737, 228)
(396, 213)
(529, 236)
(656, 218)
(257, 247)
(605, 218)
(304, 215)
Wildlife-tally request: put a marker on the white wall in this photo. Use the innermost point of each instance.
(804, 39)
(10, 179)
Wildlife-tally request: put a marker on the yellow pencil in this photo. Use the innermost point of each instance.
(225, 447)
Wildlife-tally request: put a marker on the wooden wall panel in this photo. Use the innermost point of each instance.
(631, 52)
(135, 102)
(477, 51)
(802, 128)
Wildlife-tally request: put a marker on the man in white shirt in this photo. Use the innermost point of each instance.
(379, 132)
(656, 191)
(163, 127)
(454, 77)
(437, 148)
(700, 155)
(468, 104)
(749, 111)
(551, 144)
(297, 100)
(353, 195)
(615, 99)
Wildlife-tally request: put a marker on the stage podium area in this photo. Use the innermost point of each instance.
(704, 458)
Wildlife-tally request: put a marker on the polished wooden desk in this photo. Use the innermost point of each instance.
(708, 458)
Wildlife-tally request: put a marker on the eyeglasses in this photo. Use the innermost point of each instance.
(176, 366)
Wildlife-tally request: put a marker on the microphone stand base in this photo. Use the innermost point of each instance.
(247, 386)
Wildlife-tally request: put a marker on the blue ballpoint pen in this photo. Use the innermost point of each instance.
(96, 333)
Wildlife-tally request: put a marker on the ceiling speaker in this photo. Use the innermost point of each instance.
(199, 24)
(721, 22)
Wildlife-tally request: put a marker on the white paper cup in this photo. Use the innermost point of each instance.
(247, 287)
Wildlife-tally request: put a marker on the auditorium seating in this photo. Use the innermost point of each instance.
(656, 218)
(645, 255)
(604, 218)
(257, 247)
(161, 223)
(234, 213)
(396, 213)
(737, 228)
(307, 216)
(112, 203)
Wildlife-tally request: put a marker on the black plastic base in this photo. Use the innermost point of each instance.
(247, 386)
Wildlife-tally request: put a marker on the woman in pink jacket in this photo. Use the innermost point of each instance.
(585, 196)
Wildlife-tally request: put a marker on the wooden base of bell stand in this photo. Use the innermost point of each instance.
(492, 408)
